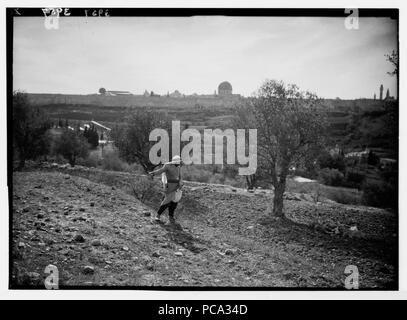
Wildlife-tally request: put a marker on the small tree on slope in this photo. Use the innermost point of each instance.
(290, 128)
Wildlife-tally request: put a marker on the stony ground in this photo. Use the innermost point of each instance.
(98, 234)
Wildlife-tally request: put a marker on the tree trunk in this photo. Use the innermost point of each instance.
(278, 200)
(251, 181)
(72, 161)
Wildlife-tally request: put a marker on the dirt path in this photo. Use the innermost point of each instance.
(99, 235)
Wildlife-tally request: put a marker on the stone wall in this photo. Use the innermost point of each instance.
(133, 100)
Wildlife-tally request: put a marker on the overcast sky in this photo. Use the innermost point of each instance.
(195, 54)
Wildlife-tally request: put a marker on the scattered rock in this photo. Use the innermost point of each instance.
(26, 209)
(92, 204)
(147, 213)
(88, 270)
(156, 254)
(178, 253)
(64, 252)
(79, 238)
(353, 228)
(125, 248)
(21, 245)
(230, 252)
(150, 266)
(40, 215)
(32, 278)
(82, 209)
(96, 243)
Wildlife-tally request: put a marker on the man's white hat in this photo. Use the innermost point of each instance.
(176, 160)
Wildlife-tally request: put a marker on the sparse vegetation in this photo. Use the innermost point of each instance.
(380, 194)
(331, 177)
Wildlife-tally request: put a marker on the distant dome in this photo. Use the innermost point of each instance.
(225, 88)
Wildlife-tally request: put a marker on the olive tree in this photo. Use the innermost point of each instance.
(290, 128)
(132, 137)
(71, 145)
(393, 58)
(30, 127)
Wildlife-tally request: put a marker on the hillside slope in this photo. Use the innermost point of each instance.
(97, 234)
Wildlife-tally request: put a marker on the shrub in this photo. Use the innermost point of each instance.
(144, 188)
(195, 173)
(111, 161)
(30, 126)
(230, 171)
(71, 146)
(331, 177)
(217, 179)
(344, 196)
(93, 160)
(372, 158)
(354, 179)
(378, 193)
(326, 160)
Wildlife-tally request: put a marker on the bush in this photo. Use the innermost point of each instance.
(354, 179)
(144, 188)
(93, 160)
(217, 179)
(71, 146)
(331, 177)
(30, 130)
(326, 160)
(111, 161)
(373, 159)
(230, 171)
(380, 194)
(344, 196)
(195, 173)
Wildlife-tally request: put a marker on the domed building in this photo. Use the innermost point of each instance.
(225, 89)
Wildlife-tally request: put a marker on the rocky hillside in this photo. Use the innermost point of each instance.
(90, 225)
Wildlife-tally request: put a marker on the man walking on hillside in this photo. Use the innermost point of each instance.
(172, 187)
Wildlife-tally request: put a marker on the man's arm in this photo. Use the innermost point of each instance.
(158, 171)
